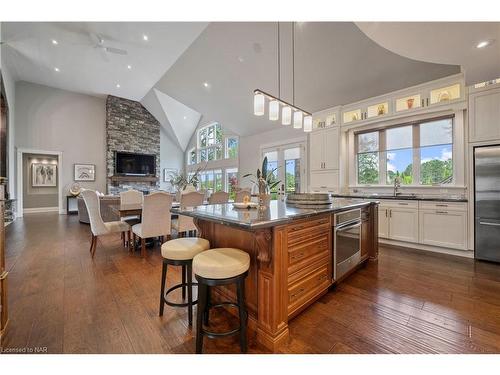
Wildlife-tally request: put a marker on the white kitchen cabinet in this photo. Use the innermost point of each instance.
(484, 115)
(324, 181)
(324, 149)
(445, 228)
(398, 220)
(403, 224)
(383, 221)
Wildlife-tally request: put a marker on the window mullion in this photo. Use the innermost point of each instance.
(382, 165)
(416, 154)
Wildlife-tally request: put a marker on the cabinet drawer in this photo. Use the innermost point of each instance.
(305, 289)
(443, 206)
(399, 203)
(305, 230)
(304, 253)
(444, 228)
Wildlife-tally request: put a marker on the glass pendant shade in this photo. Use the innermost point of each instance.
(286, 115)
(258, 104)
(274, 110)
(297, 120)
(308, 124)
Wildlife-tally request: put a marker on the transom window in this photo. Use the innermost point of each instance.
(418, 154)
(212, 145)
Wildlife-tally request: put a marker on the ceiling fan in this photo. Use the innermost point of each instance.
(100, 43)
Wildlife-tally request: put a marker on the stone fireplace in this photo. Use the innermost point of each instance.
(130, 127)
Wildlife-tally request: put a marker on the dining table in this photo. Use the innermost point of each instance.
(133, 209)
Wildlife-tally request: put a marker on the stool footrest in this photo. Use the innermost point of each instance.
(174, 304)
(213, 335)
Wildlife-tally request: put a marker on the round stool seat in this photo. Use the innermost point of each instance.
(221, 263)
(184, 248)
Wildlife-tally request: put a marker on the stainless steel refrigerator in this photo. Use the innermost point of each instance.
(487, 202)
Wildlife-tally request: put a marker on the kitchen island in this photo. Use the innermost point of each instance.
(291, 251)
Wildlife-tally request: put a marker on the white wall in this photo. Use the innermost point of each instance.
(10, 91)
(50, 119)
(171, 156)
(250, 158)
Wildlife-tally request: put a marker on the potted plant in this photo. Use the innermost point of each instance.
(265, 180)
(181, 182)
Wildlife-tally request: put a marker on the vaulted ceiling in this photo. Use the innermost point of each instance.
(28, 49)
(188, 71)
(335, 63)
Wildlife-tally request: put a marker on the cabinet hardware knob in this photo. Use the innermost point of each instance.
(299, 292)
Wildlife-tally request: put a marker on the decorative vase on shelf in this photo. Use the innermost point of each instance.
(409, 103)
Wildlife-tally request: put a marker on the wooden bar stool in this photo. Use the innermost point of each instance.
(218, 267)
(180, 252)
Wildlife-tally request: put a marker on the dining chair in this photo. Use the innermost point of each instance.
(185, 223)
(155, 218)
(240, 195)
(131, 196)
(97, 225)
(218, 197)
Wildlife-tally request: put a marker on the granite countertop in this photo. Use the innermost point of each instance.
(412, 197)
(277, 213)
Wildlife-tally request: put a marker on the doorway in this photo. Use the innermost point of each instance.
(39, 186)
(289, 164)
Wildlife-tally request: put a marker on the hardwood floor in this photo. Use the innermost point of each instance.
(409, 302)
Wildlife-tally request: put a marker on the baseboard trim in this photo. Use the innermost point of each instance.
(433, 249)
(40, 209)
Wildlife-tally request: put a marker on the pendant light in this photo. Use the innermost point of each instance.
(308, 124)
(258, 104)
(274, 110)
(297, 120)
(286, 115)
(287, 109)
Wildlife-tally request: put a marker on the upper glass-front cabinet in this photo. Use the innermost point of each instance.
(354, 115)
(445, 94)
(325, 119)
(379, 109)
(408, 102)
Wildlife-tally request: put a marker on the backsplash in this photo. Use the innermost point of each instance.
(130, 127)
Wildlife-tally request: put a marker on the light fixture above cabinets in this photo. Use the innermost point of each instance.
(301, 118)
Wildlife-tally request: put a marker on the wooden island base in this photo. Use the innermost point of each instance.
(291, 267)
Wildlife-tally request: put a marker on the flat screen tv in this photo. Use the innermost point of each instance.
(132, 164)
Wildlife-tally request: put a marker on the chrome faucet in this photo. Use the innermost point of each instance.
(397, 185)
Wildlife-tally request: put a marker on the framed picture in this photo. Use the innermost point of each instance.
(166, 173)
(84, 172)
(43, 175)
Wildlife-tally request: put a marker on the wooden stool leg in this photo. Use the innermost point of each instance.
(143, 247)
(163, 281)
(189, 276)
(243, 315)
(128, 240)
(134, 240)
(183, 282)
(202, 295)
(92, 243)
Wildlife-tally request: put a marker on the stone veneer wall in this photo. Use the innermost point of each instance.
(130, 127)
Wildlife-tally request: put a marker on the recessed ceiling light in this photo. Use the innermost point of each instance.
(56, 69)
(483, 44)
(240, 59)
(205, 84)
(145, 37)
(118, 86)
(54, 42)
(185, 117)
(129, 66)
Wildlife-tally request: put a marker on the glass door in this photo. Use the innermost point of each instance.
(289, 159)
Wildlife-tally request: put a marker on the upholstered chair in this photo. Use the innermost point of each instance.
(218, 197)
(155, 219)
(240, 195)
(185, 223)
(97, 226)
(131, 197)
